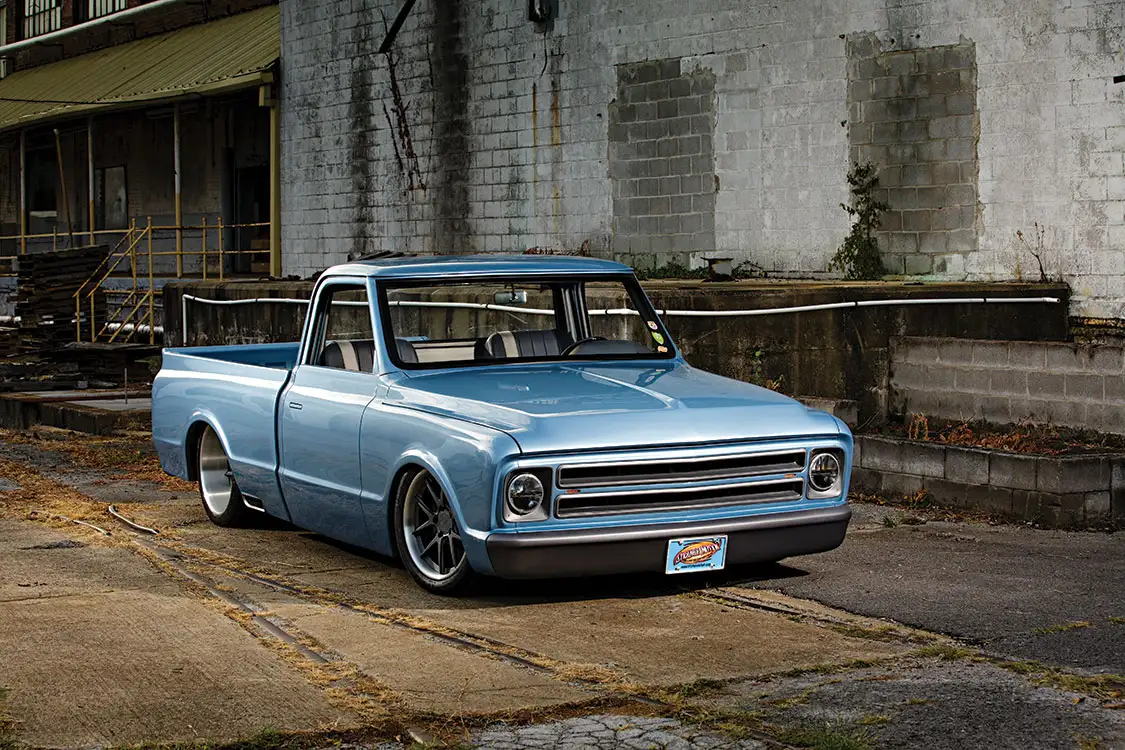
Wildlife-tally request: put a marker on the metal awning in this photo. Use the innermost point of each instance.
(225, 55)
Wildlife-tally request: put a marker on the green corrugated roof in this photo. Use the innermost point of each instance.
(209, 57)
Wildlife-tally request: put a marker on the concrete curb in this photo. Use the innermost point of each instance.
(1056, 492)
(20, 411)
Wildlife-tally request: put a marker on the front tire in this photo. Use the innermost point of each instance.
(222, 500)
(429, 541)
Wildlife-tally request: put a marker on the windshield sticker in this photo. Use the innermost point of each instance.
(658, 338)
(652, 325)
(662, 349)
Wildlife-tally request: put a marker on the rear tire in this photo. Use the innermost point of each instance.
(428, 538)
(222, 500)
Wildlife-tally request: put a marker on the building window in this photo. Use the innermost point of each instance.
(90, 9)
(41, 17)
(3, 22)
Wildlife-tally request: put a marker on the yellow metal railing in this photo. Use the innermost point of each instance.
(136, 308)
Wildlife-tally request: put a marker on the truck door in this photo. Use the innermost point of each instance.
(320, 411)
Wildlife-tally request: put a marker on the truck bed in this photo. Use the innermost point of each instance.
(242, 383)
(275, 356)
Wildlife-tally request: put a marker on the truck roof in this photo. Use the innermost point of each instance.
(476, 265)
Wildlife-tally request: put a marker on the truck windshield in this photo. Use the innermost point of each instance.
(483, 321)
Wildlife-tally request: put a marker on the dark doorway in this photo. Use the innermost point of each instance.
(252, 206)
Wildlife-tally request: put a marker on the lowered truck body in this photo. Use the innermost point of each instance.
(518, 417)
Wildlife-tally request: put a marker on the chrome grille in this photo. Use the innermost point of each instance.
(708, 468)
(572, 504)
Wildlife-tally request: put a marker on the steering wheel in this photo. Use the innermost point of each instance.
(576, 344)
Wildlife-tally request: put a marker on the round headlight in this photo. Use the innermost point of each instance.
(824, 471)
(525, 493)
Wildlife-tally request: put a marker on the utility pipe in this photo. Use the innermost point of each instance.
(23, 192)
(63, 190)
(178, 195)
(275, 187)
(90, 165)
(117, 17)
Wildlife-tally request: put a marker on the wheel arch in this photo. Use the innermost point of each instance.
(198, 426)
(405, 471)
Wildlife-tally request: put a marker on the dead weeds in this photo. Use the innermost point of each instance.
(1023, 437)
(129, 456)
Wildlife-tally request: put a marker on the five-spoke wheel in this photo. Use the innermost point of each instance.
(429, 540)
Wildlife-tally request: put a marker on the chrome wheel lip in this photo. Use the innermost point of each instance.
(415, 522)
(216, 482)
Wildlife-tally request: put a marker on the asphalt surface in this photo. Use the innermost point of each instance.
(1053, 596)
(810, 674)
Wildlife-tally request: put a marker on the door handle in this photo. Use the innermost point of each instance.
(295, 405)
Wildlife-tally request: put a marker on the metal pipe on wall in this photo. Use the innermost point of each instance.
(23, 192)
(63, 190)
(90, 164)
(275, 190)
(179, 195)
(112, 18)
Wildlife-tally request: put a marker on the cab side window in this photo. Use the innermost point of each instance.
(347, 341)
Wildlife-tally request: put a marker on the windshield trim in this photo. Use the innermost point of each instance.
(628, 280)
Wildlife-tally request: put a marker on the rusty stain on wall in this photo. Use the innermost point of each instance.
(405, 156)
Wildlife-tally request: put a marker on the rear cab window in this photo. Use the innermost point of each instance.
(344, 338)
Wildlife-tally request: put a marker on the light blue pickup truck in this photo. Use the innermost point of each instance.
(511, 416)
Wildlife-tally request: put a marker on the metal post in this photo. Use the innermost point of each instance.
(90, 161)
(23, 192)
(179, 196)
(275, 191)
(220, 248)
(151, 292)
(62, 188)
(205, 248)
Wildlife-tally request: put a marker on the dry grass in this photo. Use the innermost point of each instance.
(1063, 627)
(120, 456)
(1025, 437)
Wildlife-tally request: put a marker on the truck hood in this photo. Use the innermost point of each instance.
(553, 407)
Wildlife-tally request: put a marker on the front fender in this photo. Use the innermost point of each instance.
(463, 457)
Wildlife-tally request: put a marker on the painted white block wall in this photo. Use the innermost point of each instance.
(535, 127)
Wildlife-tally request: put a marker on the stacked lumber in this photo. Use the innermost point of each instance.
(45, 299)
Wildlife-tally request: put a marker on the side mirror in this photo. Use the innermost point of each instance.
(513, 297)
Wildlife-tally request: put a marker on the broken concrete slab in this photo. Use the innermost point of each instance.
(662, 639)
(427, 674)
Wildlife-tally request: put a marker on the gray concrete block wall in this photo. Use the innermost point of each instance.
(528, 162)
(912, 112)
(1060, 492)
(1070, 385)
(661, 163)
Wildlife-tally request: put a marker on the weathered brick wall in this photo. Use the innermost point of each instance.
(493, 135)
(1064, 384)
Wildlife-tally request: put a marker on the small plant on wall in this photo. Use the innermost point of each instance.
(858, 258)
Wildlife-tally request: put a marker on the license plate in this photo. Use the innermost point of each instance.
(693, 555)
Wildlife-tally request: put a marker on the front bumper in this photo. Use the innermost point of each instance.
(636, 549)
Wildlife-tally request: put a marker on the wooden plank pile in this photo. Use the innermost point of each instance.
(45, 300)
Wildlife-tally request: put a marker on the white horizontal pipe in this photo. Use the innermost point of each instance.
(860, 303)
(628, 311)
(135, 328)
(115, 17)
